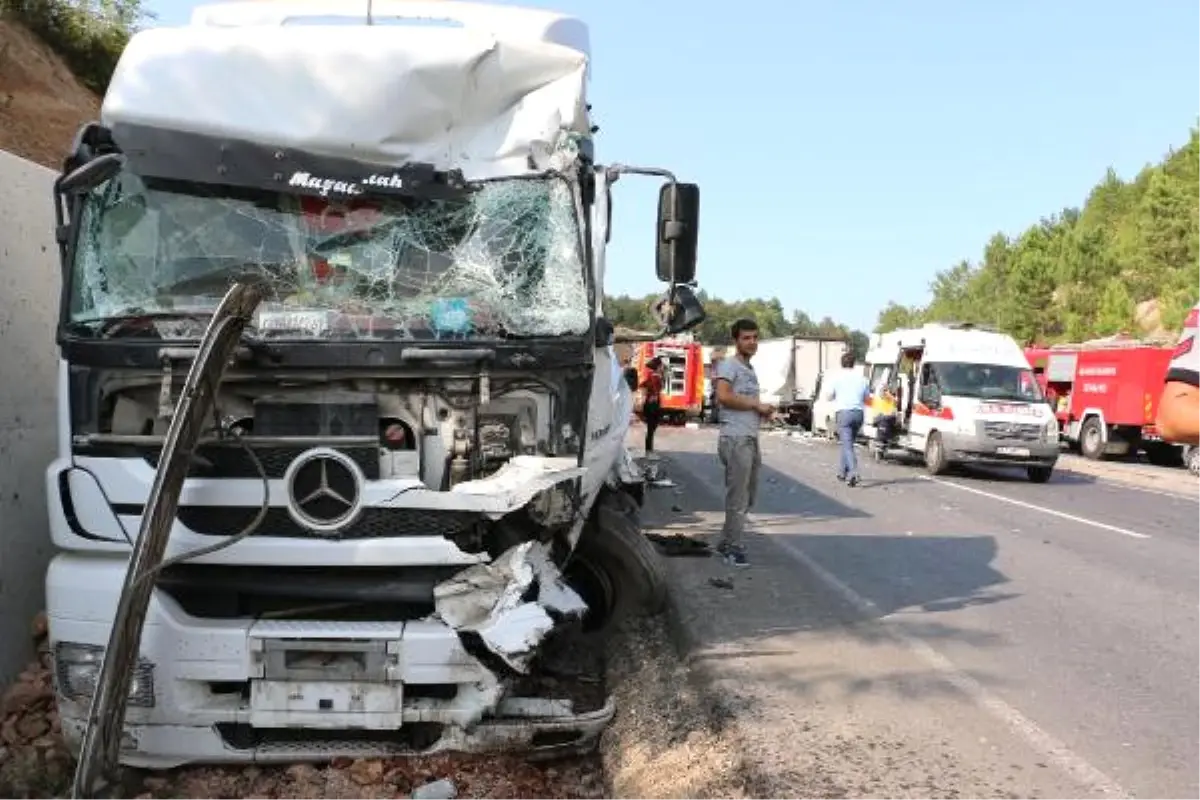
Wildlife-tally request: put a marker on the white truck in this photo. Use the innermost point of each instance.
(790, 370)
(341, 426)
(967, 395)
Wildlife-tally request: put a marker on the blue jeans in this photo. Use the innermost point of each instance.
(849, 423)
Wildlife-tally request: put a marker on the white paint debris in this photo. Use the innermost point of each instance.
(437, 790)
(488, 599)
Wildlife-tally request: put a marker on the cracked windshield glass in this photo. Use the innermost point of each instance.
(501, 262)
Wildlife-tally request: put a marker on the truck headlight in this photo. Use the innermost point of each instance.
(77, 671)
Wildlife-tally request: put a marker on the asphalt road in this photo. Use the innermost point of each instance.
(968, 635)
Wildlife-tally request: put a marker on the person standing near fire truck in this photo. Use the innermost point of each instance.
(652, 400)
(1179, 407)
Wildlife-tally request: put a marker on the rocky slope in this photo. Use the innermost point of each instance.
(42, 104)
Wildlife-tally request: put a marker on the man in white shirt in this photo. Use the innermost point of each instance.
(848, 390)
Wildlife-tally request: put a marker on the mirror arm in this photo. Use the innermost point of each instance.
(612, 172)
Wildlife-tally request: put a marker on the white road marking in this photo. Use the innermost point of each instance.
(1052, 512)
(1023, 727)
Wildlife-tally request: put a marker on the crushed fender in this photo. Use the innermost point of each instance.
(490, 601)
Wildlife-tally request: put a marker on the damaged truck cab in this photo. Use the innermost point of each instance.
(341, 426)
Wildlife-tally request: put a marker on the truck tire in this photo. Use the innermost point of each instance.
(1091, 439)
(1039, 474)
(622, 574)
(1191, 457)
(935, 454)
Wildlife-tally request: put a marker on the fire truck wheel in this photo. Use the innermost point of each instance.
(935, 455)
(615, 568)
(1091, 439)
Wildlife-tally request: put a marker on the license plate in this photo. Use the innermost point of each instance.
(1012, 451)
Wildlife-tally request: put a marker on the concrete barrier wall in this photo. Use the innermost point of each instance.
(29, 287)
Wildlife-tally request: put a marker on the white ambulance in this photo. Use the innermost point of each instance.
(967, 395)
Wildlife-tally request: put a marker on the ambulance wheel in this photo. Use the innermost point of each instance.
(1091, 439)
(1039, 474)
(935, 455)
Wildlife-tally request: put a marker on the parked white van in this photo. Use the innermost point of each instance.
(967, 395)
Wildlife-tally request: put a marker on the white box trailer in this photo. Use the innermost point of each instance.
(790, 369)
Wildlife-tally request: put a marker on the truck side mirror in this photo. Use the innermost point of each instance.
(90, 175)
(680, 310)
(678, 225)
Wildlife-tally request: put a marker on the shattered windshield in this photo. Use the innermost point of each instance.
(503, 261)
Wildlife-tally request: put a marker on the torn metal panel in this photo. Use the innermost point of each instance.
(488, 599)
(479, 95)
(502, 261)
(520, 480)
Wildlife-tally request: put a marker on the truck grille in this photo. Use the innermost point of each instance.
(372, 523)
(232, 461)
(1012, 431)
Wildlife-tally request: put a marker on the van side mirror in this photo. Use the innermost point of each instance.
(678, 225)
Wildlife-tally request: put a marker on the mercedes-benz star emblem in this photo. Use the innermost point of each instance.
(324, 489)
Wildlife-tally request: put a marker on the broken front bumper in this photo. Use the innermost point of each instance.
(213, 691)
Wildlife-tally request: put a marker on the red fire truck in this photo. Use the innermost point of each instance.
(683, 377)
(1105, 395)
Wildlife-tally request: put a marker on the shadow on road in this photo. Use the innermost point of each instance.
(782, 603)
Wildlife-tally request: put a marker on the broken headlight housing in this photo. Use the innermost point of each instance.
(77, 670)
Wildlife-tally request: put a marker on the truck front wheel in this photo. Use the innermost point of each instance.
(615, 568)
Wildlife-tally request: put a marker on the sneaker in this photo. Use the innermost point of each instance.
(841, 477)
(736, 558)
(853, 481)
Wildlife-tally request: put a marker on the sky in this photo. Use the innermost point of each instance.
(846, 151)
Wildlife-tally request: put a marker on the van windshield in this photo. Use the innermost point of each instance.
(987, 382)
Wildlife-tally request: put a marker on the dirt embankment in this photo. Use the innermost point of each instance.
(42, 104)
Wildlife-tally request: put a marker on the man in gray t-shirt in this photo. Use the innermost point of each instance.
(737, 445)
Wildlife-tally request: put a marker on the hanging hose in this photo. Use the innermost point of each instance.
(100, 749)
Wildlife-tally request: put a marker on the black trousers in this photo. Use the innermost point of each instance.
(652, 413)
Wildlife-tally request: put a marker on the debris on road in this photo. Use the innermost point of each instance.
(437, 790)
(678, 544)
